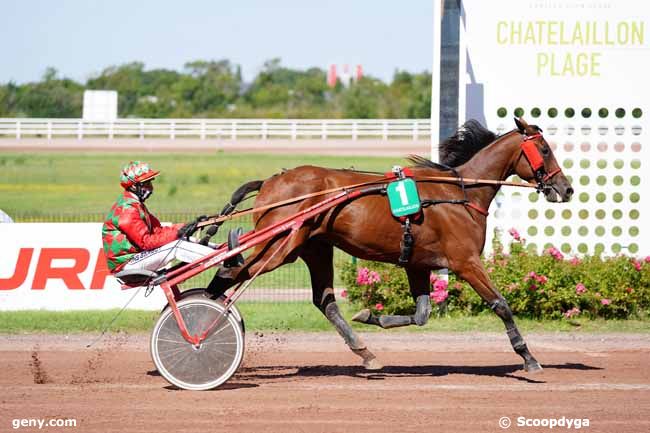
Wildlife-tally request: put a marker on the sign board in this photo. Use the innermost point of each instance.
(578, 69)
(100, 105)
(55, 266)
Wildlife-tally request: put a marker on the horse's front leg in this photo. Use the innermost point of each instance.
(419, 285)
(472, 271)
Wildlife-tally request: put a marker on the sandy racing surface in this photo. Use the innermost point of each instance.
(311, 382)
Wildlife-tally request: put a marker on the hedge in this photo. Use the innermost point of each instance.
(547, 285)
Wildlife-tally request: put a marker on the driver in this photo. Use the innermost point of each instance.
(134, 239)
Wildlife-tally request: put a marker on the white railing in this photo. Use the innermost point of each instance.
(233, 129)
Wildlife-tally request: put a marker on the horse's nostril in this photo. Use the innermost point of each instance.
(569, 191)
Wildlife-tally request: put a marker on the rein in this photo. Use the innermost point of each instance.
(215, 219)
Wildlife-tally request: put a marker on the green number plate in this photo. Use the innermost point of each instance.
(403, 197)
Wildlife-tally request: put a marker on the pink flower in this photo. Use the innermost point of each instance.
(379, 307)
(439, 296)
(629, 290)
(637, 265)
(362, 276)
(647, 259)
(490, 270)
(580, 289)
(542, 279)
(433, 277)
(555, 253)
(575, 261)
(533, 287)
(515, 234)
(605, 301)
(440, 285)
(366, 277)
(531, 275)
(344, 293)
(373, 277)
(572, 312)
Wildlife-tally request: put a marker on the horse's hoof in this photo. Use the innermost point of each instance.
(372, 364)
(362, 316)
(533, 367)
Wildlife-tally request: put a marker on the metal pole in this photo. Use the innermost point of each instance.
(435, 78)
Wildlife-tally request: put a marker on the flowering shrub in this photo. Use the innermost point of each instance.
(549, 285)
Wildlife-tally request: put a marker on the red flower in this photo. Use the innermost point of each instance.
(379, 307)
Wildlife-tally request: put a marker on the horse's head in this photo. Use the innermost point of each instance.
(536, 162)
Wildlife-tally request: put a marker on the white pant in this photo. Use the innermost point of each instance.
(182, 250)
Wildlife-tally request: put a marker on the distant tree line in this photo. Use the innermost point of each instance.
(215, 89)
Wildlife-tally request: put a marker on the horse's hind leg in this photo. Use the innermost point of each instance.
(319, 259)
(474, 273)
(419, 284)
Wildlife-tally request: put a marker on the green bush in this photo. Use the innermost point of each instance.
(547, 286)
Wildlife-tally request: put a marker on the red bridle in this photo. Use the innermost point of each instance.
(536, 160)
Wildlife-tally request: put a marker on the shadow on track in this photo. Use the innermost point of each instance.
(272, 373)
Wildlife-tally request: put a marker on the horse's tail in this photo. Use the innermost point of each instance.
(239, 195)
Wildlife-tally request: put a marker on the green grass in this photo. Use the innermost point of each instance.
(61, 186)
(293, 316)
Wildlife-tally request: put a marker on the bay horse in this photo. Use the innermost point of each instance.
(448, 235)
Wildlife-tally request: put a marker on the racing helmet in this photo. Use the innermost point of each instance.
(136, 172)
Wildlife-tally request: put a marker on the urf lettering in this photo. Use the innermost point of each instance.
(45, 270)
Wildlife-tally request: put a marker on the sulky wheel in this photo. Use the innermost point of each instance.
(201, 293)
(216, 358)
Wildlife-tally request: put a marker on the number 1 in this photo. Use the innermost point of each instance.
(402, 193)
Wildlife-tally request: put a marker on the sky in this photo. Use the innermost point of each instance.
(81, 38)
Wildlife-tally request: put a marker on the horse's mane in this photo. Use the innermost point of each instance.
(460, 147)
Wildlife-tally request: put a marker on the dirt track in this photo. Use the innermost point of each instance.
(311, 382)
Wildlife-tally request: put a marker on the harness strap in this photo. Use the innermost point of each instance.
(477, 208)
(217, 219)
(551, 174)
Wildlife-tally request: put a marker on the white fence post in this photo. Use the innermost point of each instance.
(354, 130)
(415, 126)
(110, 130)
(324, 130)
(293, 130)
(384, 132)
(141, 130)
(49, 129)
(264, 130)
(202, 129)
(80, 130)
(18, 130)
(172, 130)
(233, 131)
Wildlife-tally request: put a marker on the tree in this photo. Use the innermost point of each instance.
(52, 97)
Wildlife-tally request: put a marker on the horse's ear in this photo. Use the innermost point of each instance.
(521, 125)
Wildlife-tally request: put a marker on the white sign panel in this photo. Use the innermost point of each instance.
(58, 266)
(579, 70)
(100, 105)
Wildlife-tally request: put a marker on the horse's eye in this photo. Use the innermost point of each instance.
(545, 150)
